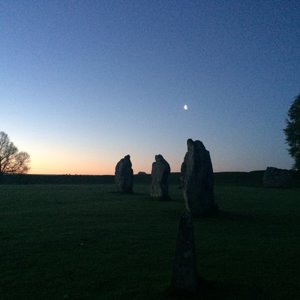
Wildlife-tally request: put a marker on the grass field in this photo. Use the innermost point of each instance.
(89, 242)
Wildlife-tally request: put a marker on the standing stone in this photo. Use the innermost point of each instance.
(160, 175)
(198, 179)
(277, 178)
(124, 175)
(185, 278)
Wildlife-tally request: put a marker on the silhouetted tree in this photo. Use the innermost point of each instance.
(292, 131)
(11, 160)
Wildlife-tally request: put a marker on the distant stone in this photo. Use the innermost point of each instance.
(141, 173)
(185, 278)
(160, 174)
(277, 178)
(198, 180)
(124, 175)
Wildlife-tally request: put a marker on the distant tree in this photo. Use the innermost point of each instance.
(11, 160)
(292, 131)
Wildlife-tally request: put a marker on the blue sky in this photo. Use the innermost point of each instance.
(83, 83)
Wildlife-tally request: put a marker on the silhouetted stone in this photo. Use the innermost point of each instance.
(277, 178)
(160, 173)
(198, 179)
(124, 175)
(185, 278)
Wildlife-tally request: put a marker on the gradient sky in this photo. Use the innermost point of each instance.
(83, 83)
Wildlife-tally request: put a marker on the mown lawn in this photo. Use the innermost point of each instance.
(89, 242)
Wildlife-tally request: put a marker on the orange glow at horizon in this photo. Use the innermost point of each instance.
(87, 171)
(84, 168)
(64, 162)
(50, 160)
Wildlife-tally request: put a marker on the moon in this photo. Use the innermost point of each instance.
(185, 107)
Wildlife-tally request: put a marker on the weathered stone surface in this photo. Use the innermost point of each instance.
(184, 276)
(124, 175)
(277, 178)
(198, 179)
(160, 173)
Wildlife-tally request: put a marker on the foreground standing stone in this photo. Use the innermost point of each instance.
(124, 175)
(160, 174)
(198, 179)
(277, 178)
(185, 278)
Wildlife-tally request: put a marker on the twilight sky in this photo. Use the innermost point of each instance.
(83, 83)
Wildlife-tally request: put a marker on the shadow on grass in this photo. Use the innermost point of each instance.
(216, 290)
(231, 216)
(126, 194)
(144, 196)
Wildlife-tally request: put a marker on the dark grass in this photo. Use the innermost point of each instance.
(90, 242)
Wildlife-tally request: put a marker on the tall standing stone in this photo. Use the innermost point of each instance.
(185, 278)
(198, 179)
(160, 174)
(124, 175)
